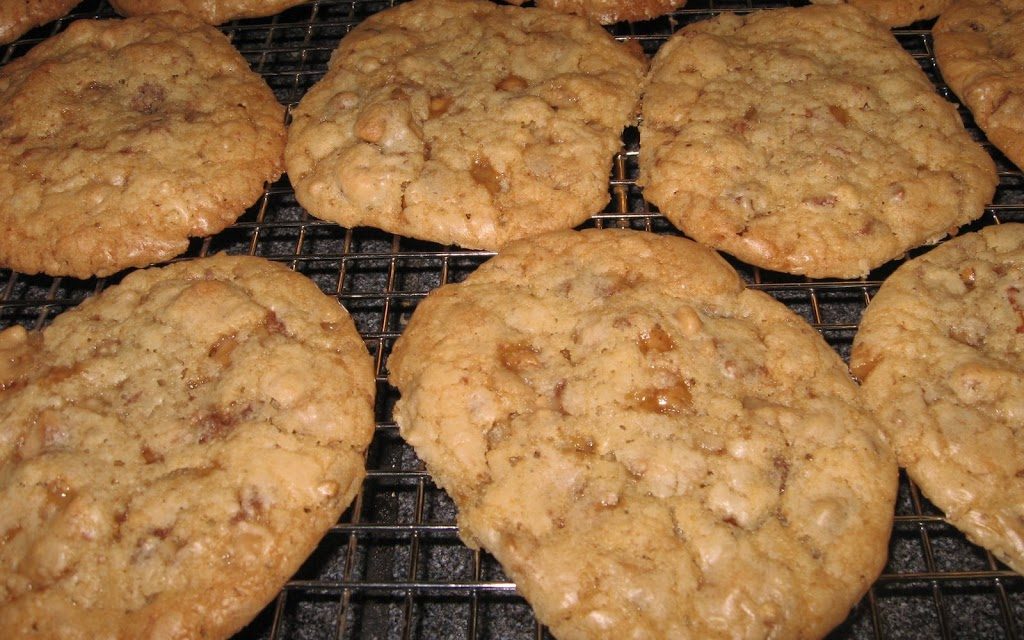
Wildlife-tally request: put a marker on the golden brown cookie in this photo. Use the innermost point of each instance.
(648, 448)
(940, 353)
(806, 141)
(123, 138)
(173, 449)
(209, 11)
(979, 46)
(19, 16)
(465, 122)
(895, 13)
(610, 11)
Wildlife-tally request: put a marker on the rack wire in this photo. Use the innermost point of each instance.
(393, 567)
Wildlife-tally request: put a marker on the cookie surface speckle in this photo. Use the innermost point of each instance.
(940, 352)
(980, 50)
(648, 448)
(19, 16)
(464, 122)
(173, 449)
(806, 141)
(123, 138)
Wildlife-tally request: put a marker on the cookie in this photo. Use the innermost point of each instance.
(611, 11)
(648, 448)
(209, 11)
(173, 449)
(19, 16)
(980, 51)
(895, 13)
(806, 141)
(123, 138)
(464, 122)
(940, 353)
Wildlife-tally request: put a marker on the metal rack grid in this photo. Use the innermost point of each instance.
(393, 567)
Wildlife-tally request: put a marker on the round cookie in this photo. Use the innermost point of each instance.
(979, 46)
(648, 448)
(895, 13)
(209, 11)
(464, 122)
(611, 11)
(123, 138)
(806, 141)
(173, 449)
(940, 353)
(19, 16)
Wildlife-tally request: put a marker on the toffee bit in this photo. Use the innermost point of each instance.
(511, 82)
(664, 400)
(485, 175)
(518, 357)
(655, 340)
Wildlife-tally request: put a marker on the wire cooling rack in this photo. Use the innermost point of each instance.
(393, 567)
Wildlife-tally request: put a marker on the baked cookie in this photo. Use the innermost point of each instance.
(940, 353)
(896, 13)
(123, 138)
(979, 45)
(173, 449)
(19, 16)
(806, 141)
(610, 11)
(209, 11)
(464, 122)
(648, 448)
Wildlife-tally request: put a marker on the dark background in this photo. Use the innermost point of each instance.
(394, 566)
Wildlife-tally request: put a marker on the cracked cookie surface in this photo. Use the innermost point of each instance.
(173, 448)
(464, 122)
(980, 50)
(648, 448)
(123, 138)
(805, 141)
(940, 352)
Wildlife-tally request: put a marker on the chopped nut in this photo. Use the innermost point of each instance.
(438, 105)
(272, 323)
(964, 336)
(370, 125)
(149, 456)
(689, 321)
(582, 443)
(821, 201)
(328, 489)
(215, 425)
(148, 99)
(839, 114)
(968, 277)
